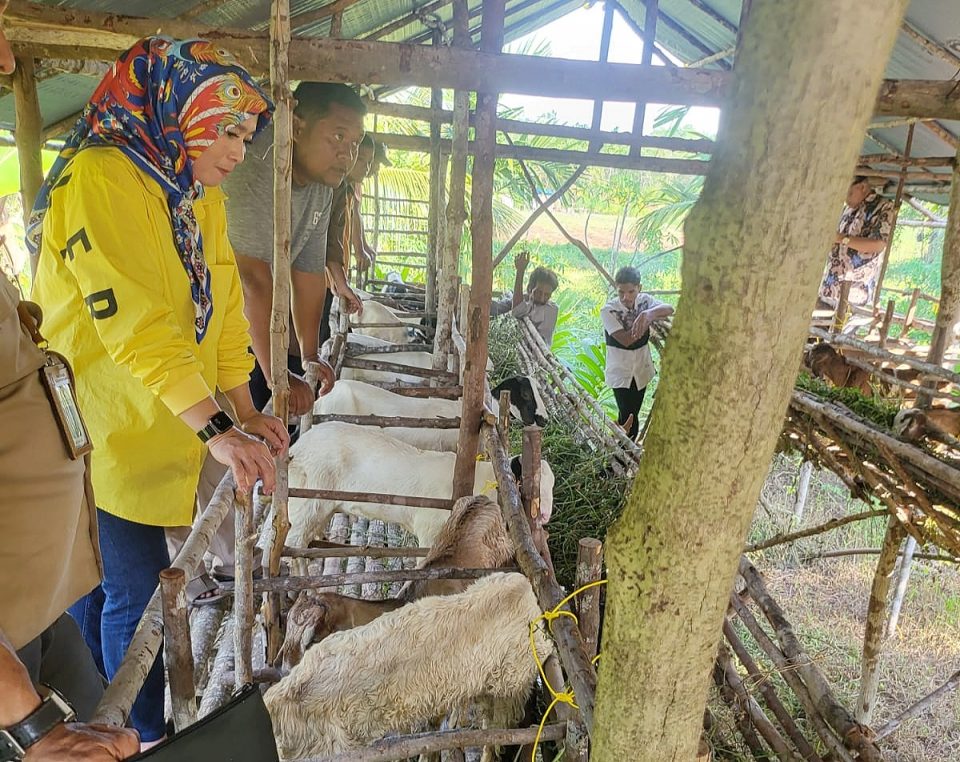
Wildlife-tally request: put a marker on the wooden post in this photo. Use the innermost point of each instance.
(530, 483)
(456, 206)
(843, 305)
(897, 201)
(589, 569)
(243, 591)
(177, 649)
(650, 14)
(476, 329)
(948, 310)
(911, 312)
(434, 214)
(279, 329)
(504, 418)
(28, 129)
(875, 629)
(885, 325)
(803, 487)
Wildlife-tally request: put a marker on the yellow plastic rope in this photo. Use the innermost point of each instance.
(490, 486)
(565, 697)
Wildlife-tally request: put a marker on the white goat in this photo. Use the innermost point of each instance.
(410, 666)
(348, 458)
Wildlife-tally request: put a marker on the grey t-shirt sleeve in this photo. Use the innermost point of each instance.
(249, 190)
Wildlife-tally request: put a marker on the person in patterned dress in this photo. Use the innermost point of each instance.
(862, 235)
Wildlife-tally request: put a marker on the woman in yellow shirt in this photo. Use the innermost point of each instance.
(140, 291)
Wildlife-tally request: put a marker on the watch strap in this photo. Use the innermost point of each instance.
(16, 739)
(218, 424)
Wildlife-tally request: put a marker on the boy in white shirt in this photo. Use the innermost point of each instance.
(535, 304)
(626, 326)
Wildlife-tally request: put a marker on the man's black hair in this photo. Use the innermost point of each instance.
(543, 275)
(315, 98)
(627, 275)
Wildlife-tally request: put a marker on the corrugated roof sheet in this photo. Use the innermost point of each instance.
(688, 29)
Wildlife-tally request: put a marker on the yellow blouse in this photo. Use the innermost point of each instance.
(116, 301)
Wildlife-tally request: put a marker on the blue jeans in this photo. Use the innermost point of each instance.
(133, 557)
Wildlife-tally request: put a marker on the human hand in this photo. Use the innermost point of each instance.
(301, 395)
(521, 261)
(247, 457)
(641, 324)
(94, 743)
(350, 303)
(270, 429)
(364, 260)
(326, 377)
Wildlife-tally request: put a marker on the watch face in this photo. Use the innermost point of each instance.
(221, 422)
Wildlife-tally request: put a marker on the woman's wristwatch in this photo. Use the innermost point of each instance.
(16, 739)
(219, 423)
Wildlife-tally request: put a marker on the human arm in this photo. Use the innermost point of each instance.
(863, 245)
(522, 260)
(350, 303)
(648, 317)
(365, 255)
(67, 741)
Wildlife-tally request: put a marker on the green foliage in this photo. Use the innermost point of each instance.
(876, 410)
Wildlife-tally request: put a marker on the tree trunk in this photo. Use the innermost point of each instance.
(755, 245)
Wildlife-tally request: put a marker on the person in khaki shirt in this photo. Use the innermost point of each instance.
(49, 557)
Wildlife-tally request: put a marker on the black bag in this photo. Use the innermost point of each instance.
(240, 731)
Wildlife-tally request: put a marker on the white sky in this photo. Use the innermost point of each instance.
(577, 35)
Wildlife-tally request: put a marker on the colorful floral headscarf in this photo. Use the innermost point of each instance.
(163, 103)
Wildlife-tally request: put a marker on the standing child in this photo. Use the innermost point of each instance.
(626, 326)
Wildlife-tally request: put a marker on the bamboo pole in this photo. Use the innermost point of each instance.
(441, 392)
(477, 327)
(875, 629)
(503, 419)
(205, 627)
(312, 582)
(402, 747)
(28, 129)
(243, 611)
(885, 324)
(569, 642)
(854, 736)
(762, 684)
(915, 710)
(530, 460)
(279, 316)
(651, 12)
(875, 552)
(740, 715)
(220, 686)
(177, 648)
(782, 539)
(359, 349)
(589, 569)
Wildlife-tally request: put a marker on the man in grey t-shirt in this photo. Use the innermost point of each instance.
(327, 130)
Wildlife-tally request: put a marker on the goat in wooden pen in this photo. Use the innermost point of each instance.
(475, 537)
(942, 424)
(344, 457)
(410, 666)
(826, 362)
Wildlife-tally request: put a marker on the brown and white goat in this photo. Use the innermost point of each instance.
(410, 666)
(912, 424)
(474, 537)
(826, 362)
